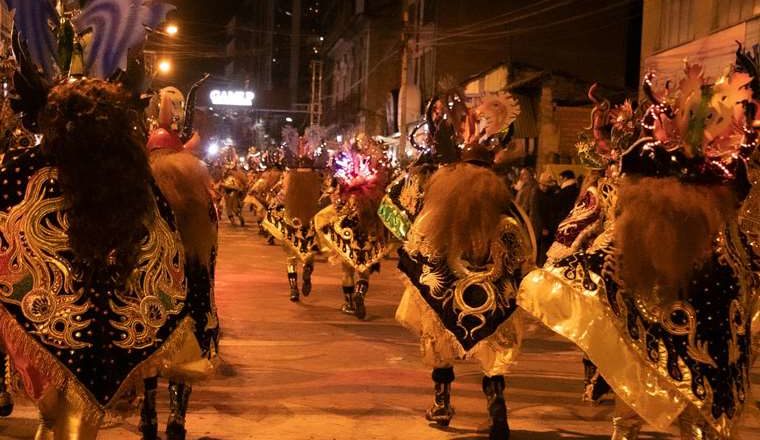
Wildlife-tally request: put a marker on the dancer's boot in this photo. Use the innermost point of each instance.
(308, 268)
(293, 282)
(441, 412)
(694, 427)
(360, 291)
(625, 429)
(348, 306)
(595, 385)
(148, 417)
(179, 399)
(493, 387)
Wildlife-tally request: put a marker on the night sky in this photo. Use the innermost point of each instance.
(200, 44)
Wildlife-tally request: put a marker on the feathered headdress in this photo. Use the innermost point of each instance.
(699, 132)
(113, 26)
(611, 131)
(359, 169)
(495, 114)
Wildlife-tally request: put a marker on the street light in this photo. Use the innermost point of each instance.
(164, 66)
(171, 30)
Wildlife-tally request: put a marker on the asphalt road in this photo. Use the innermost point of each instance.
(305, 371)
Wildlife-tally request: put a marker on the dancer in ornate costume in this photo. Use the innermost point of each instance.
(447, 126)
(611, 132)
(94, 266)
(350, 227)
(233, 186)
(266, 186)
(110, 258)
(185, 182)
(466, 251)
(290, 217)
(662, 303)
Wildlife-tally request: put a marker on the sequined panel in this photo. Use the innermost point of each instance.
(471, 302)
(403, 201)
(355, 246)
(700, 343)
(98, 330)
(299, 238)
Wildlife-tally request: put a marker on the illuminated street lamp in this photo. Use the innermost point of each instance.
(165, 66)
(171, 30)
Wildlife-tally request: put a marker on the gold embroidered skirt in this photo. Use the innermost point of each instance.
(439, 347)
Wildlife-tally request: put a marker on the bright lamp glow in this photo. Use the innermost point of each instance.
(213, 149)
(172, 29)
(165, 66)
(243, 98)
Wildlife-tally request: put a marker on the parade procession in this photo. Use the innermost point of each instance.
(380, 219)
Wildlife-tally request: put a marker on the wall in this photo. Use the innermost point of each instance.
(711, 45)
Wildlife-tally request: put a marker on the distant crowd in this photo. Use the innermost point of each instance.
(547, 201)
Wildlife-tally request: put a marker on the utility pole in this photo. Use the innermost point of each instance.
(315, 107)
(404, 83)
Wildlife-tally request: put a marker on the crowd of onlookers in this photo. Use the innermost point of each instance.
(547, 201)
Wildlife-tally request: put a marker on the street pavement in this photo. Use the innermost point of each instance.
(307, 372)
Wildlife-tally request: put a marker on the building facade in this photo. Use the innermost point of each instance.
(700, 31)
(361, 59)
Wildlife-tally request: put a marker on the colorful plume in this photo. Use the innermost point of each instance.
(117, 26)
(33, 20)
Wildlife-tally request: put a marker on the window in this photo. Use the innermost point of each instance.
(676, 23)
(730, 12)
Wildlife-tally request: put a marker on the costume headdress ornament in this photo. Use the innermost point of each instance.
(699, 132)
(496, 114)
(304, 151)
(612, 130)
(449, 124)
(113, 27)
(358, 168)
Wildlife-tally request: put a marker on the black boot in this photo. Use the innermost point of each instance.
(359, 293)
(441, 412)
(308, 268)
(270, 240)
(493, 387)
(148, 417)
(293, 282)
(348, 307)
(595, 385)
(179, 398)
(6, 399)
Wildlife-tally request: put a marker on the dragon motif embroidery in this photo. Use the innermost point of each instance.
(36, 274)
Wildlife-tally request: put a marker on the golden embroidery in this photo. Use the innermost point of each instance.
(35, 231)
(509, 252)
(155, 291)
(35, 276)
(411, 194)
(433, 280)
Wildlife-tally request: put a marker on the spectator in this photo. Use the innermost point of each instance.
(525, 189)
(545, 219)
(568, 193)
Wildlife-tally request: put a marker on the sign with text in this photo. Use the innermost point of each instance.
(240, 98)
